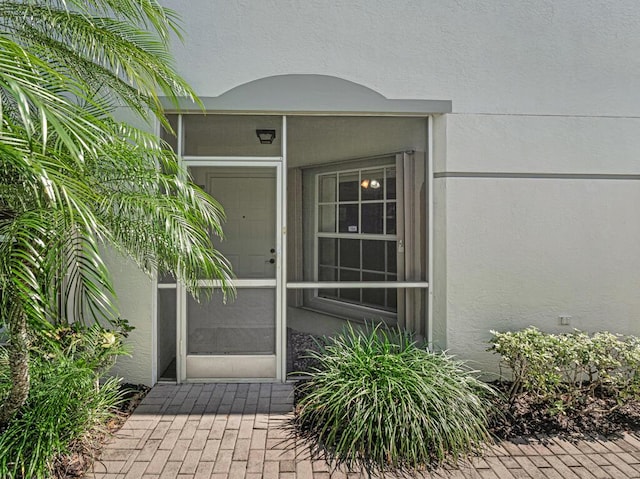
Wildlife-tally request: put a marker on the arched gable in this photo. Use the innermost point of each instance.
(311, 94)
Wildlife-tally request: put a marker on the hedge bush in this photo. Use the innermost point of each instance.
(569, 368)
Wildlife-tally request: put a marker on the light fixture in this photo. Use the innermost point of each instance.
(367, 183)
(266, 137)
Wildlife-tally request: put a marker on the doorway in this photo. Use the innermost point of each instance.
(238, 339)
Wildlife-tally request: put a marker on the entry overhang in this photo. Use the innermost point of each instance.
(308, 94)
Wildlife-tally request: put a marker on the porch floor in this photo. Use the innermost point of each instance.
(194, 431)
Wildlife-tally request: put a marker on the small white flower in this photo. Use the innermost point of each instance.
(109, 339)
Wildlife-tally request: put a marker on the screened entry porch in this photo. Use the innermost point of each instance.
(327, 224)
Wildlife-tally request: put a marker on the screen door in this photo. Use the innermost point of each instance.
(238, 340)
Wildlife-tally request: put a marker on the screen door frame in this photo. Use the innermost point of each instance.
(236, 367)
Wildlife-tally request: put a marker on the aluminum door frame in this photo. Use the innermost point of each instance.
(279, 290)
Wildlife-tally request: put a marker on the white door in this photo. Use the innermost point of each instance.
(249, 200)
(238, 340)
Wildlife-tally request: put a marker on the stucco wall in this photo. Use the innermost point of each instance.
(539, 88)
(438, 283)
(135, 298)
(488, 56)
(540, 223)
(524, 251)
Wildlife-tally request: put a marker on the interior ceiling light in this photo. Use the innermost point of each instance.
(266, 137)
(367, 183)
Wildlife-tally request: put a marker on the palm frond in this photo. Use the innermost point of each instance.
(40, 100)
(129, 39)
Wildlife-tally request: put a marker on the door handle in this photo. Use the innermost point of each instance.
(272, 261)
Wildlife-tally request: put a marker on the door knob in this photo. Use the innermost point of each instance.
(272, 261)
(273, 250)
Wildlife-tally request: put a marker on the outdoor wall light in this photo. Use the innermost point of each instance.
(266, 137)
(367, 183)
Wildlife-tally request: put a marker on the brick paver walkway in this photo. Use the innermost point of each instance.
(217, 431)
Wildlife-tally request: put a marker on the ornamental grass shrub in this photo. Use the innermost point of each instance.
(380, 402)
(568, 370)
(68, 401)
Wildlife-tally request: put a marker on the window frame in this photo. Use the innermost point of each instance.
(311, 298)
(385, 237)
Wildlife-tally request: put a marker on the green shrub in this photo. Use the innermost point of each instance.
(66, 401)
(94, 346)
(566, 369)
(378, 401)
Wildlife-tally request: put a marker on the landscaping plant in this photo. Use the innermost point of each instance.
(569, 370)
(76, 181)
(68, 403)
(75, 178)
(379, 401)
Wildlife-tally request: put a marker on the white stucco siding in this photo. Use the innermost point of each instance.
(541, 144)
(522, 252)
(438, 284)
(540, 221)
(488, 56)
(135, 299)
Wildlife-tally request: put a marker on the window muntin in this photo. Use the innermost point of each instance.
(357, 201)
(356, 234)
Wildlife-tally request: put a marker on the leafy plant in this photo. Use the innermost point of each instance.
(66, 404)
(74, 178)
(567, 369)
(95, 346)
(379, 401)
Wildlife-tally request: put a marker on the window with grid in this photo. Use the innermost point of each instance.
(356, 237)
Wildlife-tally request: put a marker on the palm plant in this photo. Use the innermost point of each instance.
(74, 178)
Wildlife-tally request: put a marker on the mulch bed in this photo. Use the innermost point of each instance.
(528, 418)
(298, 343)
(597, 416)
